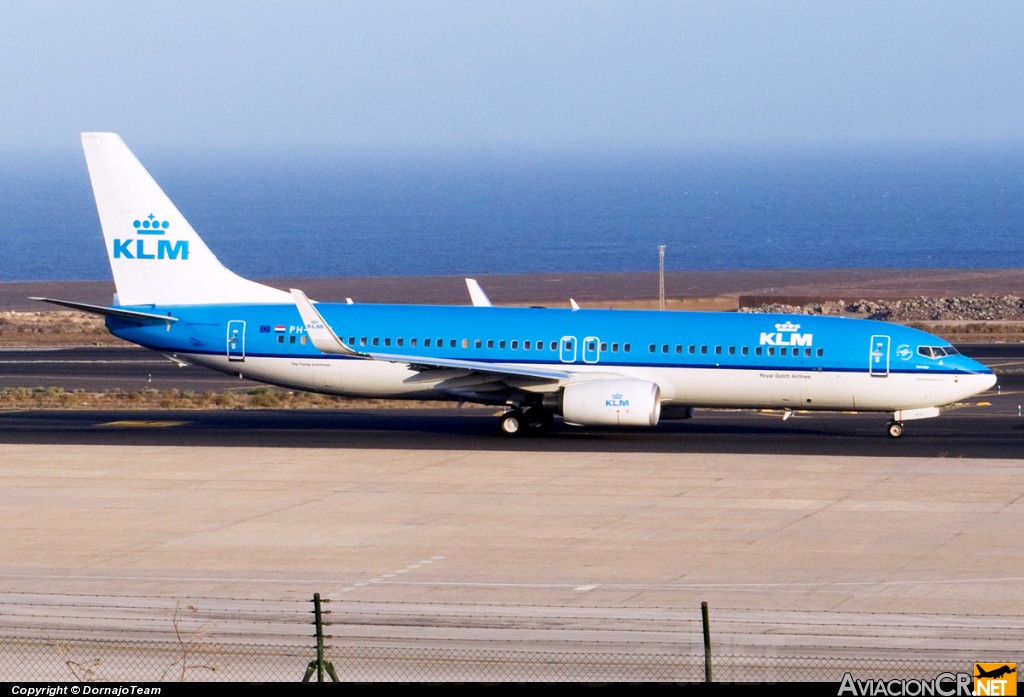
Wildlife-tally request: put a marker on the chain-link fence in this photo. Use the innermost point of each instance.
(107, 639)
(149, 661)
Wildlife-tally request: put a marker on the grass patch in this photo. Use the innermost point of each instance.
(259, 398)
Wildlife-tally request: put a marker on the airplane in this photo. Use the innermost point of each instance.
(994, 673)
(590, 367)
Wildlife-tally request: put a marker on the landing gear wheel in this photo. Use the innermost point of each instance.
(895, 429)
(538, 419)
(511, 423)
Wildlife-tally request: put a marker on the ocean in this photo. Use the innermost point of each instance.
(389, 214)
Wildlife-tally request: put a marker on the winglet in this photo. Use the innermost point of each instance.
(320, 333)
(477, 294)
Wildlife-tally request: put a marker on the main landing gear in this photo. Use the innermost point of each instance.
(530, 420)
(894, 429)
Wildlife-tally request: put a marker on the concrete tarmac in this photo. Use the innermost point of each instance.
(753, 533)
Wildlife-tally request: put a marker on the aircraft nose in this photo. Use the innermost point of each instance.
(979, 381)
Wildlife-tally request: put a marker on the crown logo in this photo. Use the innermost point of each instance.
(787, 327)
(151, 226)
(617, 395)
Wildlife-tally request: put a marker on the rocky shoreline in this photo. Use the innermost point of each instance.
(683, 289)
(973, 308)
(965, 319)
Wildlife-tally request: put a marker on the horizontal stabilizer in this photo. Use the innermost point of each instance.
(147, 317)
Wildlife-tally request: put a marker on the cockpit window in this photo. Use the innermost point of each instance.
(937, 351)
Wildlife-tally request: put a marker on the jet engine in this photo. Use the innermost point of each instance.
(620, 402)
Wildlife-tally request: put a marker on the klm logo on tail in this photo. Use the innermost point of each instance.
(147, 243)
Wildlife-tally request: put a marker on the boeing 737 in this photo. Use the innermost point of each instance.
(590, 367)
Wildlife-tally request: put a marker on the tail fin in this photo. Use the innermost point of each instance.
(155, 255)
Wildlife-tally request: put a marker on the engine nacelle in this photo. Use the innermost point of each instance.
(621, 402)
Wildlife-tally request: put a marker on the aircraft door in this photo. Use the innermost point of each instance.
(591, 349)
(567, 349)
(236, 340)
(879, 356)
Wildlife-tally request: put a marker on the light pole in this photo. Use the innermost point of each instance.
(661, 277)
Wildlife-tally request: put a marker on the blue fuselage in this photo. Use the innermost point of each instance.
(699, 358)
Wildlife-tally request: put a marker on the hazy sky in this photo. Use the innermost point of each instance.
(520, 74)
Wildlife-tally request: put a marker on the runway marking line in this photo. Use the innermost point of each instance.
(142, 424)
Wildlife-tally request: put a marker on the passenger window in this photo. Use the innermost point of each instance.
(526, 345)
(376, 341)
(651, 348)
(303, 339)
(515, 344)
(280, 339)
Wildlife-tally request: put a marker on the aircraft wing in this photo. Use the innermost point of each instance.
(325, 339)
(424, 363)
